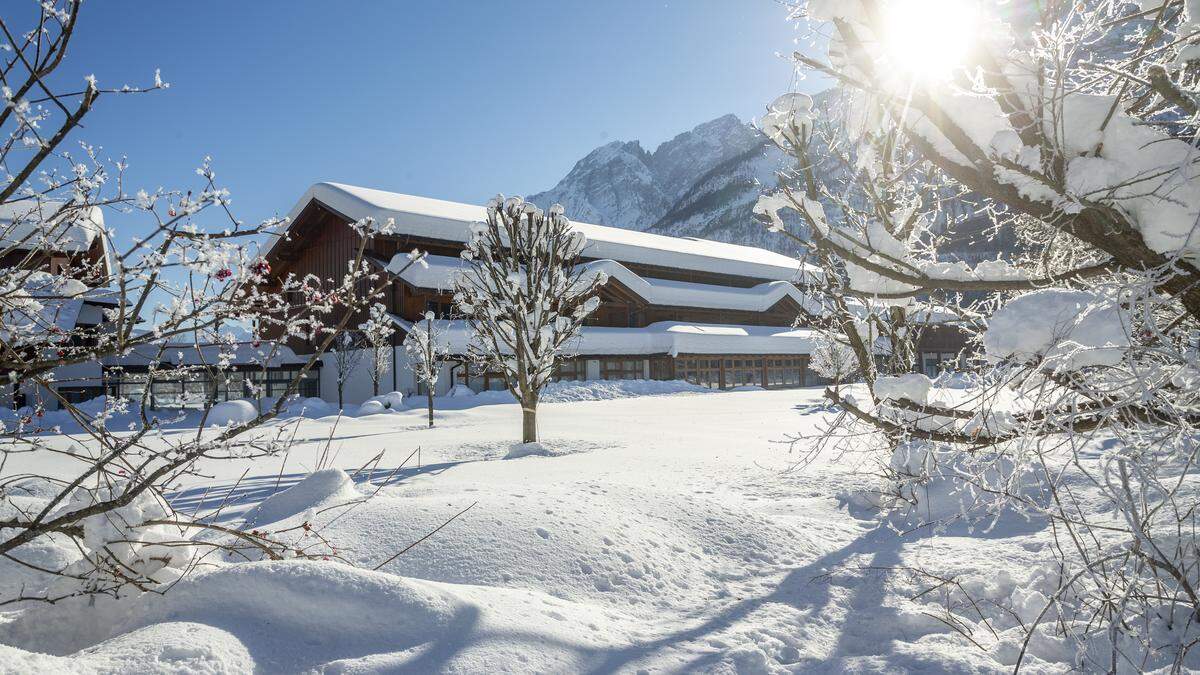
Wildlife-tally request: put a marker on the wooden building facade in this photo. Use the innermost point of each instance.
(714, 314)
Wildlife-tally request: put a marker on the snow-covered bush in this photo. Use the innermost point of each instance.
(382, 403)
(231, 413)
(833, 359)
(1070, 129)
(525, 296)
(136, 547)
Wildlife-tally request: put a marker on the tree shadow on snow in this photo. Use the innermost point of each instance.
(235, 497)
(866, 629)
(822, 406)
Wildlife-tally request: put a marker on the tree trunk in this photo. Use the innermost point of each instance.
(429, 400)
(340, 386)
(529, 420)
(375, 382)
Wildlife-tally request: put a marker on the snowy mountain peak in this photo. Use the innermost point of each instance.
(612, 185)
(701, 183)
(677, 163)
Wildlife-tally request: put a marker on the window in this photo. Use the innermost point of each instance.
(441, 309)
(622, 369)
(571, 370)
(743, 372)
(784, 371)
(935, 363)
(482, 381)
(662, 369)
(274, 382)
(702, 371)
(929, 364)
(80, 394)
(199, 388)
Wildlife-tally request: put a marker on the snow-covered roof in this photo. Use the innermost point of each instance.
(438, 273)
(437, 219)
(665, 337)
(190, 354)
(758, 298)
(39, 225)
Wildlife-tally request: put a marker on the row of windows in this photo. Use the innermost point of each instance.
(571, 370)
(622, 369)
(714, 373)
(739, 372)
(197, 389)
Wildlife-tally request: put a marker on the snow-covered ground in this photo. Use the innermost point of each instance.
(651, 533)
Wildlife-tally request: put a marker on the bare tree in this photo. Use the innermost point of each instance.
(833, 359)
(186, 278)
(377, 331)
(349, 349)
(426, 353)
(525, 296)
(1075, 129)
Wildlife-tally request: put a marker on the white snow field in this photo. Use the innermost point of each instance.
(659, 533)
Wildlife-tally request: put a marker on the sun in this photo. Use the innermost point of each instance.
(928, 39)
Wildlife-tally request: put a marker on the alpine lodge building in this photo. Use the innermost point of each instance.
(715, 314)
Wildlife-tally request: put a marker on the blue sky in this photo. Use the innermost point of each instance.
(451, 99)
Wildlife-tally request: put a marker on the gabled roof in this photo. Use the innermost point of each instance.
(44, 225)
(438, 273)
(450, 221)
(71, 230)
(671, 293)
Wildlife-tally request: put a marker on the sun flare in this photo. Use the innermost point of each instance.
(928, 39)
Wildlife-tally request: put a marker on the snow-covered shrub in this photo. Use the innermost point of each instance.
(129, 549)
(232, 413)
(1069, 131)
(525, 296)
(382, 403)
(833, 359)
(934, 483)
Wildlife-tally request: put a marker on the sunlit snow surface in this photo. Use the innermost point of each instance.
(657, 533)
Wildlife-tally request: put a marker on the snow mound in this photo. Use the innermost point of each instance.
(370, 408)
(231, 413)
(598, 390)
(460, 391)
(381, 404)
(305, 616)
(327, 486)
(311, 407)
(629, 548)
(537, 450)
(174, 647)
